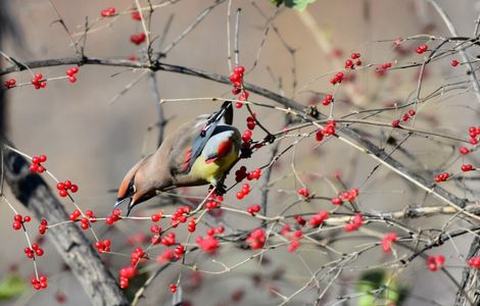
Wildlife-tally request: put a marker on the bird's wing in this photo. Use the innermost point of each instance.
(184, 146)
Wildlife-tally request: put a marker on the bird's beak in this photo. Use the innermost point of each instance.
(120, 202)
(130, 207)
(130, 204)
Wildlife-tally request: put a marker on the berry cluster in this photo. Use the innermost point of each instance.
(300, 220)
(35, 250)
(381, 70)
(254, 175)
(295, 241)
(36, 166)
(108, 12)
(169, 239)
(354, 224)
(114, 216)
(345, 196)
(353, 61)
(40, 283)
(442, 177)
(327, 99)
(240, 174)
(387, 241)
(256, 239)
(19, 220)
(474, 132)
(254, 209)
(180, 215)
(421, 49)
(72, 74)
(214, 201)
(38, 81)
(435, 262)
(408, 115)
(467, 167)
(85, 222)
(11, 83)
(396, 123)
(138, 39)
(251, 123)
(328, 130)
(244, 191)
(125, 274)
(103, 246)
(236, 79)
(64, 187)
(318, 219)
(208, 244)
(156, 231)
(42, 228)
(337, 78)
(136, 256)
(474, 262)
(304, 192)
(75, 215)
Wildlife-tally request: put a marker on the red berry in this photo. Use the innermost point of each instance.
(138, 39)
(464, 150)
(74, 188)
(239, 69)
(72, 79)
(108, 12)
(136, 16)
(467, 167)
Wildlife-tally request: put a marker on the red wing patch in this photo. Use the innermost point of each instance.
(186, 160)
(223, 149)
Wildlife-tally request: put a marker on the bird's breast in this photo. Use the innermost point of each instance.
(211, 171)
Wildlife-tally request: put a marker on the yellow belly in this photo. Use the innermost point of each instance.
(213, 171)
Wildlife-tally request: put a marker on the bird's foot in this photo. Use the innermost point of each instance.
(220, 188)
(245, 152)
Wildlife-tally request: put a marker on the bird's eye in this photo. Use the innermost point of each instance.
(131, 188)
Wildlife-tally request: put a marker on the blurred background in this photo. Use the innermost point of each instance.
(93, 142)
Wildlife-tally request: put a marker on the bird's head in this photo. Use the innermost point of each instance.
(135, 188)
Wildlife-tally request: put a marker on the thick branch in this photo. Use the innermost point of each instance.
(70, 242)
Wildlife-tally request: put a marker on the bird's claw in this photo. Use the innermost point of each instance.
(220, 188)
(245, 152)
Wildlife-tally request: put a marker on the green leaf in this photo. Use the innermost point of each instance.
(11, 286)
(296, 4)
(379, 287)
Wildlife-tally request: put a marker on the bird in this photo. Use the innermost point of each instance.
(199, 152)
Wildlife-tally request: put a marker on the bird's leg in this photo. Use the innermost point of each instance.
(220, 187)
